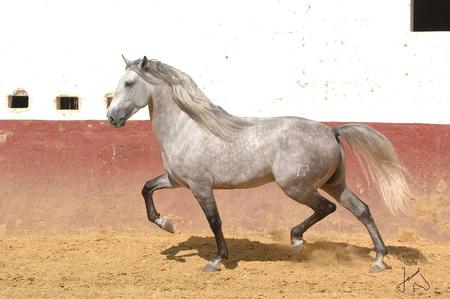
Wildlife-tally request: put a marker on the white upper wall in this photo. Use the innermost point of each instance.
(347, 60)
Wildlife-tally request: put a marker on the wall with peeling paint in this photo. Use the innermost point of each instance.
(75, 176)
(350, 60)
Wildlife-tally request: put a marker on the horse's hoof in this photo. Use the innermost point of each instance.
(213, 265)
(210, 267)
(165, 223)
(298, 245)
(376, 268)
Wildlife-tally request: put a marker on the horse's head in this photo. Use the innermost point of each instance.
(132, 93)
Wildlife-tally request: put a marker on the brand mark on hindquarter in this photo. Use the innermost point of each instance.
(302, 169)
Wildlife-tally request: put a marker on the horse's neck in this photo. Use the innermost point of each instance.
(167, 118)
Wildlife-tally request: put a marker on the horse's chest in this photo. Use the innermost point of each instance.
(179, 166)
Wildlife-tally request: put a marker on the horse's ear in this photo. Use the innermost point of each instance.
(144, 62)
(127, 62)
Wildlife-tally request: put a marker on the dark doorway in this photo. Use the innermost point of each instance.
(431, 15)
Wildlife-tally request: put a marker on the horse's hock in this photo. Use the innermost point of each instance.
(75, 176)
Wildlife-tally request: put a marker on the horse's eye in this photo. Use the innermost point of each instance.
(128, 83)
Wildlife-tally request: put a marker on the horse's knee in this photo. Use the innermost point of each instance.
(326, 207)
(214, 222)
(148, 188)
(145, 191)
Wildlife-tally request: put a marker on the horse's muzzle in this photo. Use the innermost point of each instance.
(116, 122)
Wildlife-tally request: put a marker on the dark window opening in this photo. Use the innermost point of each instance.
(67, 103)
(430, 15)
(18, 101)
(108, 101)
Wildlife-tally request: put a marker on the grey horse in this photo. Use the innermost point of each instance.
(206, 148)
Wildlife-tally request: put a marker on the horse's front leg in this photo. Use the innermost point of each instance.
(161, 182)
(205, 198)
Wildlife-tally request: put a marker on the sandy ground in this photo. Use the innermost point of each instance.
(159, 265)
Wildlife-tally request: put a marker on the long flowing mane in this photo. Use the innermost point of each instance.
(190, 99)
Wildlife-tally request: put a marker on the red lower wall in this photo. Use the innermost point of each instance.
(71, 176)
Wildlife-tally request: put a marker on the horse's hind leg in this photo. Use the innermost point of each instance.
(321, 207)
(337, 188)
(151, 186)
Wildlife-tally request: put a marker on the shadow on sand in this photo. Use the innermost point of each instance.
(320, 252)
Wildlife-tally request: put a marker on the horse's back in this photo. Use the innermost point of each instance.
(293, 130)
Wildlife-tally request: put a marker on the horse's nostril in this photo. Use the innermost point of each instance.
(111, 119)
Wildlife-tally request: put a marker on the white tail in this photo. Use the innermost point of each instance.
(381, 161)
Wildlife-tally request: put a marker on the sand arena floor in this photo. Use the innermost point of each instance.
(159, 265)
